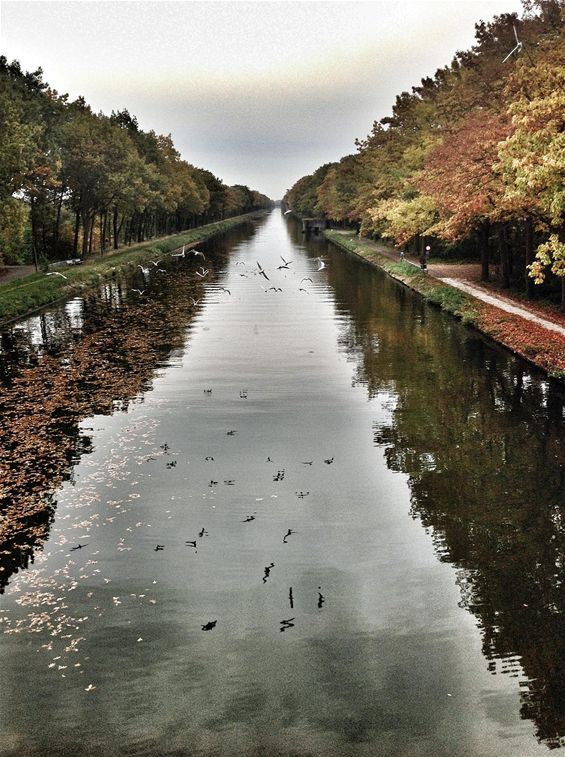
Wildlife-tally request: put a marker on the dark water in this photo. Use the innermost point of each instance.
(415, 608)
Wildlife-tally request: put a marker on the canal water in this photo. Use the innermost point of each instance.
(298, 513)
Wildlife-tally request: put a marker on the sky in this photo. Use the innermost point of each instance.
(259, 93)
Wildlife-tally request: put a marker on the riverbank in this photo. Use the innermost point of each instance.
(23, 296)
(529, 339)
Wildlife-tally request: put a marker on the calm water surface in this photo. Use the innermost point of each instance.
(415, 607)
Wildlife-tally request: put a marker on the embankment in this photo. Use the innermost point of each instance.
(539, 346)
(26, 295)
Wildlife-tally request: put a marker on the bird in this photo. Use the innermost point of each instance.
(286, 212)
(191, 543)
(155, 262)
(286, 262)
(159, 547)
(179, 254)
(208, 626)
(268, 572)
(248, 519)
(223, 289)
(275, 289)
(262, 272)
(56, 273)
(301, 289)
(202, 272)
(321, 598)
(144, 271)
(79, 546)
(286, 624)
(321, 264)
(306, 278)
(139, 291)
(329, 461)
(244, 275)
(288, 533)
(202, 533)
(197, 253)
(515, 49)
(161, 270)
(195, 302)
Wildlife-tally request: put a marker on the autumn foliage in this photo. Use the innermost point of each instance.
(472, 160)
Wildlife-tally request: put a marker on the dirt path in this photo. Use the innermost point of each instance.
(480, 294)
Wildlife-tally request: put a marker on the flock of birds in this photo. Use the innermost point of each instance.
(193, 543)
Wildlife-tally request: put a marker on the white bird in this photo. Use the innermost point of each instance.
(195, 302)
(139, 291)
(179, 254)
(56, 273)
(144, 271)
(515, 49)
(204, 272)
(286, 212)
(155, 262)
(322, 264)
(196, 253)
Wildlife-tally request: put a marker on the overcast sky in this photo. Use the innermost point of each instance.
(259, 93)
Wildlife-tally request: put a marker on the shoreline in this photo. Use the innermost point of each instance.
(26, 296)
(530, 341)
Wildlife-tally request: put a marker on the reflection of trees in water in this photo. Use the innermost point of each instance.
(53, 375)
(481, 440)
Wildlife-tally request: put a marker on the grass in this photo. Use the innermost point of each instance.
(25, 295)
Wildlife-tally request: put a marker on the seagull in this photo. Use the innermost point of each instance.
(191, 543)
(204, 272)
(286, 624)
(195, 302)
(159, 547)
(144, 271)
(248, 519)
(262, 272)
(179, 254)
(56, 273)
(288, 533)
(245, 276)
(322, 264)
(306, 278)
(161, 270)
(197, 253)
(139, 291)
(223, 289)
(155, 262)
(286, 212)
(79, 546)
(208, 626)
(301, 289)
(329, 461)
(517, 48)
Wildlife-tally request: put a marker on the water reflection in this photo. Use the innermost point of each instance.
(93, 356)
(480, 437)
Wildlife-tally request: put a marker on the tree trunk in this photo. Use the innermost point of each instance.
(504, 257)
(33, 234)
(77, 229)
(529, 239)
(483, 245)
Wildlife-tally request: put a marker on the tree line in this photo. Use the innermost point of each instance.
(74, 182)
(471, 161)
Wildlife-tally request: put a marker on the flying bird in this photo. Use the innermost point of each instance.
(223, 289)
(202, 272)
(208, 626)
(515, 49)
(321, 264)
(56, 273)
(197, 253)
(286, 212)
(139, 291)
(262, 272)
(179, 254)
(144, 271)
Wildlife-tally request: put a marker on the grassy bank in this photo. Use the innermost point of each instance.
(24, 296)
(537, 345)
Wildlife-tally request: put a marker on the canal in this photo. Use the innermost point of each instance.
(298, 513)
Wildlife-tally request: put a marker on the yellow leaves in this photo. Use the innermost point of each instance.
(550, 254)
